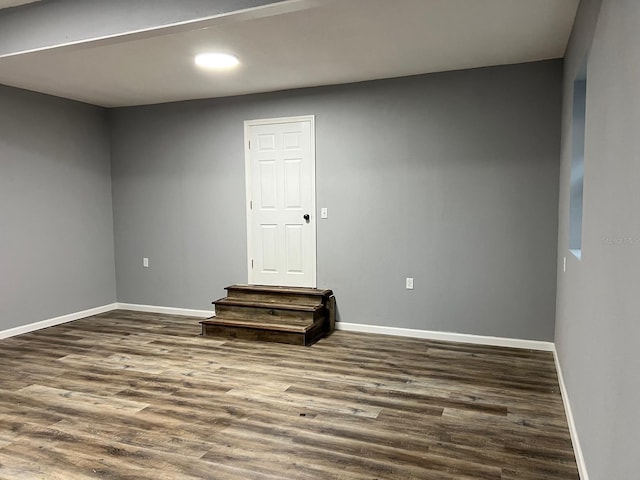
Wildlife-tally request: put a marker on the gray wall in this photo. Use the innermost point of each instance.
(449, 178)
(577, 163)
(598, 308)
(56, 225)
(53, 22)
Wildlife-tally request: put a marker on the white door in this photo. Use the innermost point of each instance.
(280, 170)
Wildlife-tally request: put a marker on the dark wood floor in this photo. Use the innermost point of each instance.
(128, 395)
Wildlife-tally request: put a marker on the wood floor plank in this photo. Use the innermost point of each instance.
(55, 396)
(136, 395)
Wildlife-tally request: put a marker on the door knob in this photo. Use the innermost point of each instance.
(306, 217)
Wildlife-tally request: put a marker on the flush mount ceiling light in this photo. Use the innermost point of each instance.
(216, 61)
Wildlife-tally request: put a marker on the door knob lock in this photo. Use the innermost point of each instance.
(306, 217)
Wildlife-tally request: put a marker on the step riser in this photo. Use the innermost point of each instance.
(253, 313)
(307, 300)
(252, 334)
(242, 333)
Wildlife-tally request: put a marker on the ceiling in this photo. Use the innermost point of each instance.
(327, 42)
(14, 3)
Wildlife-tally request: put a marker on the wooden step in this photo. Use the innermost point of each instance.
(265, 332)
(277, 314)
(280, 290)
(243, 302)
(299, 327)
(256, 311)
(267, 294)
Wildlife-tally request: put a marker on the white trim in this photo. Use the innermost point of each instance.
(11, 332)
(577, 448)
(247, 169)
(314, 208)
(272, 121)
(187, 312)
(248, 204)
(261, 11)
(448, 336)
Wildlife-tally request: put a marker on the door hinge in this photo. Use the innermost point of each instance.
(249, 144)
(250, 204)
(251, 263)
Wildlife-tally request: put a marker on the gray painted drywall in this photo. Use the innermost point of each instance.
(598, 307)
(577, 164)
(53, 22)
(449, 178)
(56, 224)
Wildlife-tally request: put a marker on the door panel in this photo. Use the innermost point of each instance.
(293, 183)
(268, 241)
(268, 184)
(294, 249)
(280, 192)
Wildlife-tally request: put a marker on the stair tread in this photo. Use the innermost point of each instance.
(287, 290)
(237, 302)
(295, 327)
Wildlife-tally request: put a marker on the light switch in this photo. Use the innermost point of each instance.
(324, 213)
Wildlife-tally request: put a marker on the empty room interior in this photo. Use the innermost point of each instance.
(319, 239)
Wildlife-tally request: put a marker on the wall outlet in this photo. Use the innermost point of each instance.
(409, 283)
(324, 213)
(145, 262)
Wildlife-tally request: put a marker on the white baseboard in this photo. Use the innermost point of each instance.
(577, 448)
(166, 310)
(11, 332)
(50, 322)
(448, 337)
(351, 327)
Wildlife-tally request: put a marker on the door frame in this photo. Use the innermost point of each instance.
(247, 166)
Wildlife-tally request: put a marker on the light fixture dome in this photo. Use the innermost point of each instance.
(216, 61)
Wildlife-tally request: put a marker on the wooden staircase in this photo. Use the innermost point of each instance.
(300, 316)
